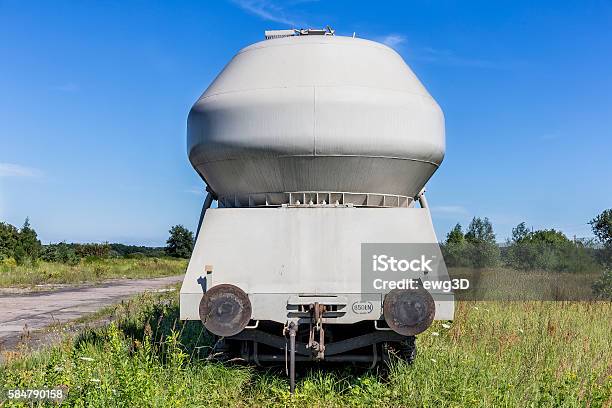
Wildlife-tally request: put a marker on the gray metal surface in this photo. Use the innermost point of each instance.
(278, 254)
(318, 114)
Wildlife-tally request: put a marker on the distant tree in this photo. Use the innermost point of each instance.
(454, 248)
(520, 232)
(9, 239)
(602, 228)
(19, 244)
(480, 230)
(482, 249)
(520, 254)
(455, 236)
(476, 248)
(28, 241)
(180, 243)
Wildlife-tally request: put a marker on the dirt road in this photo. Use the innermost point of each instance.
(24, 313)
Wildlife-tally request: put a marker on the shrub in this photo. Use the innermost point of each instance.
(91, 259)
(97, 250)
(135, 255)
(602, 228)
(123, 250)
(9, 262)
(602, 287)
(548, 250)
(9, 239)
(477, 248)
(61, 252)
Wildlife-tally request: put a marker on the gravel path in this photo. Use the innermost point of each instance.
(23, 313)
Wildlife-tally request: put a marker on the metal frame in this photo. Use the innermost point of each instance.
(331, 349)
(292, 351)
(272, 34)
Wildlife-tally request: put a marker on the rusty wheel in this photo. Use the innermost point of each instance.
(409, 312)
(225, 310)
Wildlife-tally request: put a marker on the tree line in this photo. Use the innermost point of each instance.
(528, 250)
(20, 246)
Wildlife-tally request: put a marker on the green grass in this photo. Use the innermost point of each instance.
(88, 270)
(495, 354)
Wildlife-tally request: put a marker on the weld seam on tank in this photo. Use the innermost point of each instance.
(429, 97)
(312, 155)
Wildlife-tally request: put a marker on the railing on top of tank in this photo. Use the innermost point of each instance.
(312, 199)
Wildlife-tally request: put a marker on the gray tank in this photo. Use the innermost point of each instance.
(305, 115)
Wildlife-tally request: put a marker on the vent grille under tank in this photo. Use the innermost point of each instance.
(318, 199)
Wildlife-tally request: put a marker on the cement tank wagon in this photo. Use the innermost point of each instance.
(314, 145)
(315, 113)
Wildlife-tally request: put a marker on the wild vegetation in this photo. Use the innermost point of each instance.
(19, 244)
(495, 353)
(529, 254)
(602, 228)
(88, 270)
(24, 261)
(548, 354)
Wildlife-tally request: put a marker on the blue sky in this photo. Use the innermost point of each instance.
(94, 99)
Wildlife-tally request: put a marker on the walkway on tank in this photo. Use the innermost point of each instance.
(23, 314)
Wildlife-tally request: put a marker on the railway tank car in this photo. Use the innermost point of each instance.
(314, 147)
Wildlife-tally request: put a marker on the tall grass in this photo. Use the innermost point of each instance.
(506, 284)
(88, 270)
(495, 354)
